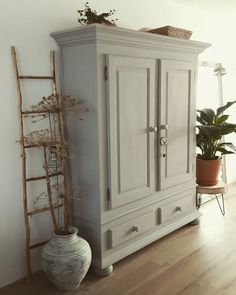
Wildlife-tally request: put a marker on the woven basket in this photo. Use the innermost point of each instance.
(172, 32)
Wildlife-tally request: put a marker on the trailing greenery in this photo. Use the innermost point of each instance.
(212, 128)
(88, 16)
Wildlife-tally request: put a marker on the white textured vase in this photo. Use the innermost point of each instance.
(66, 259)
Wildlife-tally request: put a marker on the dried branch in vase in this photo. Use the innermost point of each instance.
(57, 188)
(57, 152)
(57, 195)
(76, 191)
(42, 199)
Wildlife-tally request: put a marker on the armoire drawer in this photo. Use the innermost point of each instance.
(176, 208)
(131, 229)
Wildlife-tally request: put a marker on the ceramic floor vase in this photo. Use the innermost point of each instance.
(66, 259)
(207, 172)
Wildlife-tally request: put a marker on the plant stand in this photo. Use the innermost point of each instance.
(217, 191)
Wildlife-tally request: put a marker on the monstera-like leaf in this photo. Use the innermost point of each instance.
(210, 132)
(206, 116)
(220, 110)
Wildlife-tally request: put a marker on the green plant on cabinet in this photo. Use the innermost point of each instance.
(89, 16)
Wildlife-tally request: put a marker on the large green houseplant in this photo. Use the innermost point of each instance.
(213, 126)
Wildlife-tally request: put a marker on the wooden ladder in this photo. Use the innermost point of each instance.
(45, 147)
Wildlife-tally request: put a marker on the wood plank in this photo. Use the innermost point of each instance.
(132, 280)
(187, 270)
(207, 283)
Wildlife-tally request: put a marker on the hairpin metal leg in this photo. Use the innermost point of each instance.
(222, 208)
(198, 200)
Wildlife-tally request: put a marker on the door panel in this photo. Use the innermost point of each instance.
(130, 113)
(178, 113)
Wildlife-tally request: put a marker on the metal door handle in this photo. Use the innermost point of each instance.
(164, 126)
(153, 129)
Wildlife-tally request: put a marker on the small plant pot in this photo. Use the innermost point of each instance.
(207, 171)
(89, 22)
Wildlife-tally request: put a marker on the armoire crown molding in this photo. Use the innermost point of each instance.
(101, 34)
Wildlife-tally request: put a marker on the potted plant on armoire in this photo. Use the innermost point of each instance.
(210, 132)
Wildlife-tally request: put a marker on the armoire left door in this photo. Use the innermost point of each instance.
(131, 92)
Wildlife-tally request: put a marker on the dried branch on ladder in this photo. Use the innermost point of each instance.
(57, 103)
(47, 108)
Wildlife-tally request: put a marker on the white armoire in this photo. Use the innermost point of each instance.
(134, 152)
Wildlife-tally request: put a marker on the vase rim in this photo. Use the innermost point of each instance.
(71, 232)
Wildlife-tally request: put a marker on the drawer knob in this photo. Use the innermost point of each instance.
(178, 208)
(136, 228)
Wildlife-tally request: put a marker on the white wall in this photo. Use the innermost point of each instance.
(27, 24)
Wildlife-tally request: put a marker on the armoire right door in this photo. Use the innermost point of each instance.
(177, 123)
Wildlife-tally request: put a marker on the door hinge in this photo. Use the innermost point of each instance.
(105, 73)
(109, 198)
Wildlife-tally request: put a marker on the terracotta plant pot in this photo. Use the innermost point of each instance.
(208, 171)
(106, 24)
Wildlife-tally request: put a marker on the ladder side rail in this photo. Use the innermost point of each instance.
(59, 130)
(23, 157)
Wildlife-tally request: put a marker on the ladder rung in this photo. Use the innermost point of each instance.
(40, 112)
(38, 245)
(40, 210)
(43, 177)
(41, 145)
(36, 77)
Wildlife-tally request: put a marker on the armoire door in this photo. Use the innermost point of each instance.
(131, 109)
(177, 123)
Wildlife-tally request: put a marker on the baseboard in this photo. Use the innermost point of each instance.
(232, 185)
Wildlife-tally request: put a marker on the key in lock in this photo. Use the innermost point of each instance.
(164, 141)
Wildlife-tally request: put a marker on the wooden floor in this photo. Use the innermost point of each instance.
(195, 260)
